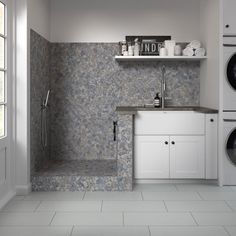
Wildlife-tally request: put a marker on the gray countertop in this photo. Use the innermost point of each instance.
(132, 110)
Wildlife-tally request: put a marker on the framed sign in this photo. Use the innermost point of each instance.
(150, 45)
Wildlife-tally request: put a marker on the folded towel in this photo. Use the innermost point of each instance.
(188, 51)
(195, 44)
(200, 52)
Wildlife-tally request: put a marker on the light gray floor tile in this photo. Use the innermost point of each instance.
(88, 219)
(35, 231)
(202, 188)
(113, 196)
(215, 218)
(110, 231)
(134, 206)
(188, 231)
(70, 206)
(231, 230)
(197, 206)
(218, 195)
(178, 196)
(25, 219)
(21, 206)
(55, 196)
(154, 188)
(164, 219)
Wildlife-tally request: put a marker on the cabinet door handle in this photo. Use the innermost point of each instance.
(173, 142)
(227, 26)
(166, 143)
(212, 120)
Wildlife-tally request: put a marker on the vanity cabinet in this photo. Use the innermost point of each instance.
(176, 145)
(187, 159)
(152, 157)
(229, 22)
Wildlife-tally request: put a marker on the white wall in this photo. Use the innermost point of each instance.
(111, 20)
(39, 17)
(209, 84)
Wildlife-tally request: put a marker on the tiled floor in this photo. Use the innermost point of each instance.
(150, 210)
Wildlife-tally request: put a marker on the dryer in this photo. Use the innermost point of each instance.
(229, 79)
(229, 149)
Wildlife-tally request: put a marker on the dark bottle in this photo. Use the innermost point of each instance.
(157, 100)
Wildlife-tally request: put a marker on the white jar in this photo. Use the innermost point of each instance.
(130, 50)
(163, 52)
(178, 50)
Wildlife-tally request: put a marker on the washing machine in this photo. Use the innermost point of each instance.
(229, 80)
(229, 154)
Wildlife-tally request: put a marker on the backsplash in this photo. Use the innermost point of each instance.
(88, 84)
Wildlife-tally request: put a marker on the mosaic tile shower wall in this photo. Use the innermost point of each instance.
(39, 84)
(87, 84)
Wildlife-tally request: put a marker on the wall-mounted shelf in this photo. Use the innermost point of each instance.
(159, 58)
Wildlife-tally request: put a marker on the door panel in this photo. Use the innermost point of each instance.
(151, 157)
(187, 157)
(229, 7)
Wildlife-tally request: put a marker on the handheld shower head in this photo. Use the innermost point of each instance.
(47, 98)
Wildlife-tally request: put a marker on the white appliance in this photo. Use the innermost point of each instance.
(229, 83)
(229, 149)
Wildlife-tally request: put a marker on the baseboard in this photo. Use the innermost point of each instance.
(6, 199)
(175, 181)
(23, 189)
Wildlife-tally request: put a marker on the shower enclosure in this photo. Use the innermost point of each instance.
(74, 126)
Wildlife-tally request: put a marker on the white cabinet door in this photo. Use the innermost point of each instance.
(211, 146)
(151, 157)
(187, 157)
(229, 17)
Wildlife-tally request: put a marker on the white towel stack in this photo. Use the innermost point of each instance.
(194, 49)
(188, 51)
(200, 52)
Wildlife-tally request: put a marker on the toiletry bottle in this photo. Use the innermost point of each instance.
(136, 47)
(157, 100)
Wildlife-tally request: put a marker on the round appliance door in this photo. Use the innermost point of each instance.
(231, 147)
(231, 71)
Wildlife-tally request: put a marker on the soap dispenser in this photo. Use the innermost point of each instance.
(157, 100)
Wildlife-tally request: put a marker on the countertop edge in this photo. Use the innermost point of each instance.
(132, 110)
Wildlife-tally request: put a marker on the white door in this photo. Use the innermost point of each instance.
(187, 157)
(5, 96)
(229, 12)
(151, 157)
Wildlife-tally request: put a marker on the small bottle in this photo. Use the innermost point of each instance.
(157, 100)
(136, 47)
(130, 49)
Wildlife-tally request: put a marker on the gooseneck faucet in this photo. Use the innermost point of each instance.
(163, 86)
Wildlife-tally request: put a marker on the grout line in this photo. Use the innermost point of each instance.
(229, 206)
(37, 207)
(176, 188)
(123, 216)
(142, 196)
(165, 206)
(101, 206)
(83, 196)
(71, 232)
(52, 218)
(200, 196)
(149, 230)
(226, 230)
(194, 218)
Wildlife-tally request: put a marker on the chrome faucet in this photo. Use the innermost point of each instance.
(163, 87)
